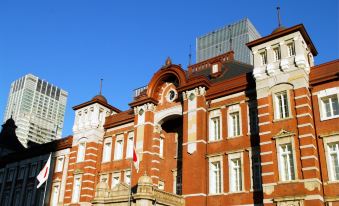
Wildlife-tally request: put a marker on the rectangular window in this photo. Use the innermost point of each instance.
(119, 145)
(59, 164)
(81, 152)
(286, 162)
(290, 49)
(161, 146)
(215, 68)
(281, 105)
(235, 175)
(115, 179)
(263, 58)
(76, 189)
(330, 106)
(215, 128)
(127, 177)
(333, 149)
(215, 177)
(130, 144)
(55, 195)
(234, 124)
(276, 52)
(107, 151)
(161, 185)
(104, 178)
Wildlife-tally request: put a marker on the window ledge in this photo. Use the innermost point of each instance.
(329, 118)
(333, 182)
(237, 192)
(212, 141)
(234, 137)
(283, 119)
(215, 194)
(289, 181)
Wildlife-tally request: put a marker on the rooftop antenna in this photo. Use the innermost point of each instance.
(190, 56)
(100, 86)
(278, 13)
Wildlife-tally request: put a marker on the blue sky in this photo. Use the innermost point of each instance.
(74, 43)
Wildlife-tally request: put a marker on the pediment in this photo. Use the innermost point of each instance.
(283, 133)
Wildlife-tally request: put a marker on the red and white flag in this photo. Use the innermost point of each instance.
(43, 175)
(135, 160)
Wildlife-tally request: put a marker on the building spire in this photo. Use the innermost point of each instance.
(101, 86)
(278, 13)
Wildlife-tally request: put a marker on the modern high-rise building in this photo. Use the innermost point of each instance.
(38, 108)
(231, 37)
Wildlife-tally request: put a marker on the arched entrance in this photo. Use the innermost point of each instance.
(172, 132)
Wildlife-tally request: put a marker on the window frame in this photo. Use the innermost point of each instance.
(105, 156)
(126, 172)
(290, 52)
(326, 141)
(334, 91)
(59, 166)
(212, 160)
(130, 145)
(73, 200)
(276, 106)
(283, 140)
(82, 157)
(276, 53)
(56, 184)
(104, 175)
(231, 110)
(231, 157)
(215, 114)
(115, 174)
(118, 138)
(263, 57)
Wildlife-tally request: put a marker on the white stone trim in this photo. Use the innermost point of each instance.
(228, 97)
(196, 141)
(309, 157)
(92, 148)
(90, 181)
(267, 173)
(265, 153)
(87, 188)
(309, 168)
(263, 123)
(264, 143)
(263, 106)
(194, 110)
(266, 163)
(195, 195)
(305, 125)
(314, 197)
(264, 133)
(304, 115)
(307, 146)
(302, 96)
(303, 105)
(264, 114)
(306, 135)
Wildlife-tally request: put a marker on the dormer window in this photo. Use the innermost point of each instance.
(276, 52)
(263, 58)
(290, 49)
(215, 68)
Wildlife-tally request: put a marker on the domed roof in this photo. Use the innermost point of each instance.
(145, 180)
(100, 98)
(278, 29)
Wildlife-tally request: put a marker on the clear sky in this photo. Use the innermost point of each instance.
(74, 43)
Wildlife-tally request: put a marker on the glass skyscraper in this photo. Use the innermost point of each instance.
(231, 37)
(38, 109)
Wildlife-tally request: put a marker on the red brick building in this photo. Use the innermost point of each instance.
(219, 133)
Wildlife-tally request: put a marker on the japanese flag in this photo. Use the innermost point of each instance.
(43, 175)
(135, 160)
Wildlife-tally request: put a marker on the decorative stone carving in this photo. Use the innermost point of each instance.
(146, 107)
(312, 185)
(268, 189)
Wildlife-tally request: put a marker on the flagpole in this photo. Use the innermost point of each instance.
(43, 200)
(130, 186)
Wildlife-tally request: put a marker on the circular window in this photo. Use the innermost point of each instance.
(171, 96)
(192, 96)
(141, 112)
